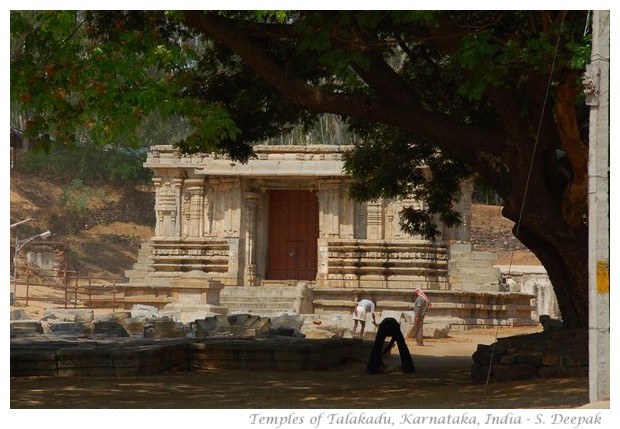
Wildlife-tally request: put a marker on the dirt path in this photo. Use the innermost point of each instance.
(441, 381)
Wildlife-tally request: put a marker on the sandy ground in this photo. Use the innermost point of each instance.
(441, 381)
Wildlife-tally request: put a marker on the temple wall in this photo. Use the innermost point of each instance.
(205, 202)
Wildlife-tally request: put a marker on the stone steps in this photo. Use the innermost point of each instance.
(259, 300)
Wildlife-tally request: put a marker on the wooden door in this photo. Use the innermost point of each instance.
(293, 234)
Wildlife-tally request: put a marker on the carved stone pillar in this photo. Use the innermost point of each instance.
(399, 233)
(462, 232)
(251, 202)
(207, 211)
(375, 218)
(193, 200)
(177, 185)
(347, 214)
(329, 208)
(361, 221)
(166, 208)
(226, 207)
(185, 213)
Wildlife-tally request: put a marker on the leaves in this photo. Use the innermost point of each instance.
(103, 76)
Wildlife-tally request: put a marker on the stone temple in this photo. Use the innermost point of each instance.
(282, 224)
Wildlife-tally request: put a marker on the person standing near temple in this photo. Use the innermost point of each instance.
(420, 306)
(360, 312)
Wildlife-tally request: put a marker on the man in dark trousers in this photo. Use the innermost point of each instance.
(389, 327)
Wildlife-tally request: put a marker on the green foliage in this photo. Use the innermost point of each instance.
(93, 76)
(581, 52)
(87, 164)
(76, 198)
(392, 164)
(107, 78)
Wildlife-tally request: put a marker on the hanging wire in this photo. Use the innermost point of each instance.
(542, 113)
(486, 384)
(586, 29)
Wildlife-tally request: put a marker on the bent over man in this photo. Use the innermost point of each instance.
(360, 310)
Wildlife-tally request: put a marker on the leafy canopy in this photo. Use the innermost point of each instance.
(98, 76)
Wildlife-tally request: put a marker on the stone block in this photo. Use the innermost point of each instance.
(501, 372)
(574, 371)
(135, 325)
(144, 310)
(523, 372)
(238, 319)
(66, 327)
(25, 327)
(204, 327)
(551, 360)
(287, 320)
(110, 328)
(163, 328)
(19, 314)
(120, 316)
(84, 361)
(70, 314)
(33, 363)
(549, 372)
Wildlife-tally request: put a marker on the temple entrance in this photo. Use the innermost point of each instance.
(293, 234)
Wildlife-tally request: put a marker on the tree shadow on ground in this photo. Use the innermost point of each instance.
(438, 383)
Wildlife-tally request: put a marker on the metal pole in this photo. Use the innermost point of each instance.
(597, 97)
(15, 269)
(13, 225)
(18, 246)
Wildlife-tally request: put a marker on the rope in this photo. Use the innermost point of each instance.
(486, 384)
(529, 173)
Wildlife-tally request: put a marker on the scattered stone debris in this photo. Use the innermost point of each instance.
(549, 324)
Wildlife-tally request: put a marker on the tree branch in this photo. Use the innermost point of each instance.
(574, 200)
(462, 140)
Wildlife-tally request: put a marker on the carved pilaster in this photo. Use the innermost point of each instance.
(347, 213)
(166, 208)
(193, 207)
(226, 213)
(251, 202)
(361, 221)
(329, 208)
(376, 227)
(399, 233)
(177, 185)
(207, 211)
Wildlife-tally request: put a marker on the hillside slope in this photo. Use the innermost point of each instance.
(104, 240)
(102, 227)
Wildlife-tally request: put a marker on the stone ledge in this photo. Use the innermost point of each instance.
(548, 354)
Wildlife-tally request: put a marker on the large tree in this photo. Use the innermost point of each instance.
(490, 93)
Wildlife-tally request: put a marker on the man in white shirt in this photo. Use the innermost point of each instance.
(360, 310)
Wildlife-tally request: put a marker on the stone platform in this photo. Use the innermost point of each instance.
(44, 355)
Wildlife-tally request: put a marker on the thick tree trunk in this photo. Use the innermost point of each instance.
(566, 265)
(562, 249)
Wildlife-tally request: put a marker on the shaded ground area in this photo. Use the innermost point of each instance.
(441, 381)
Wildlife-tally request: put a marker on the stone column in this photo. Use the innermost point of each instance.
(375, 218)
(207, 211)
(329, 208)
(166, 208)
(361, 221)
(251, 201)
(462, 233)
(347, 214)
(185, 213)
(227, 196)
(194, 210)
(177, 220)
